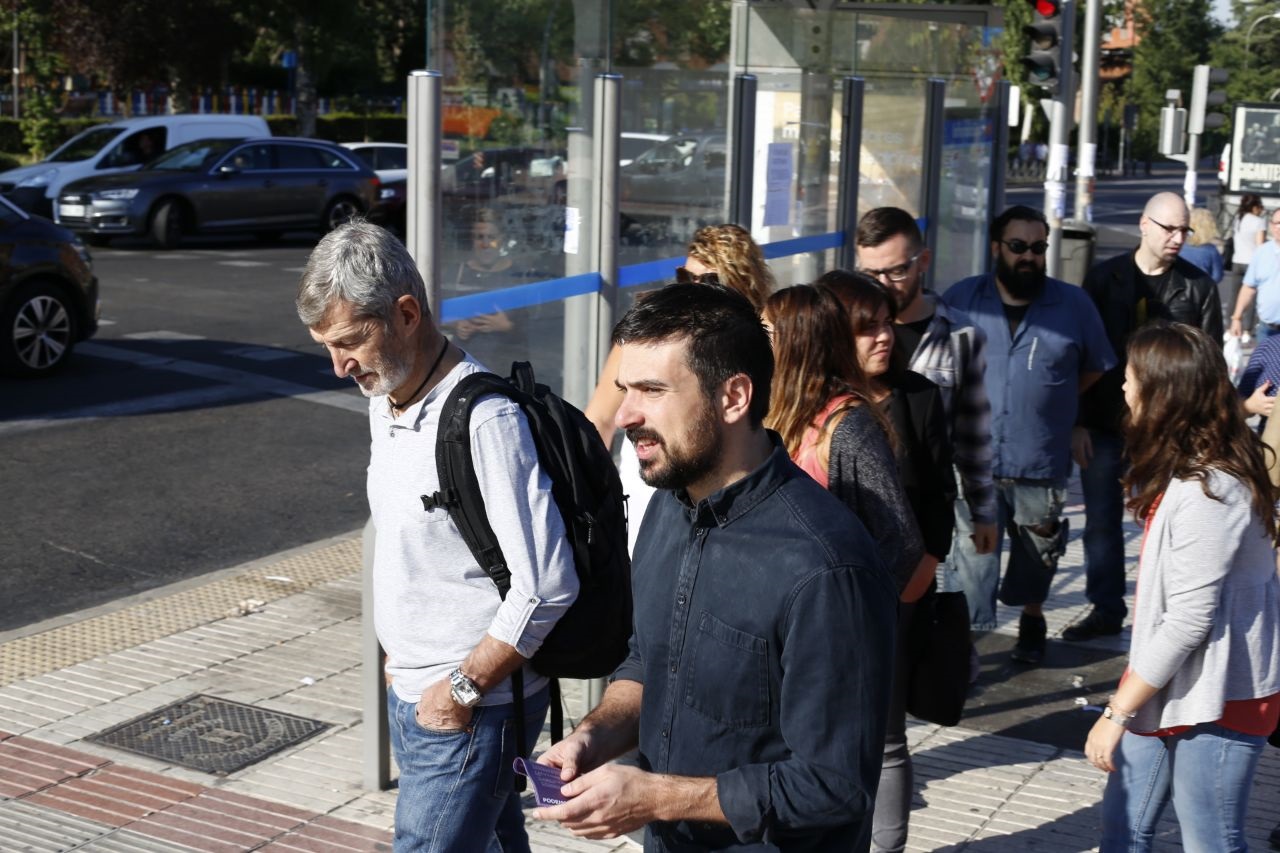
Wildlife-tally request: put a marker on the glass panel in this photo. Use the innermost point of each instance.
(796, 171)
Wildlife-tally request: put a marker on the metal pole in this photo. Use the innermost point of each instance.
(999, 157)
(931, 204)
(17, 69)
(1087, 157)
(1055, 179)
(604, 209)
(742, 167)
(373, 688)
(423, 227)
(1189, 180)
(850, 165)
(1249, 35)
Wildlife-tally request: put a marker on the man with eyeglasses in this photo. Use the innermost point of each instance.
(1262, 281)
(942, 345)
(1045, 345)
(1150, 282)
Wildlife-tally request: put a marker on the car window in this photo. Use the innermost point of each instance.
(136, 149)
(670, 155)
(191, 157)
(368, 156)
(393, 158)
(249, 158)
(297, 157)
(84, 145)
(715, 156)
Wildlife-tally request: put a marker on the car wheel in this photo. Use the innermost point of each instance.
(340, 211)
(167, 224)
(39, 330)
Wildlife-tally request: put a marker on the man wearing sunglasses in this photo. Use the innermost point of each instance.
(1045, 345)
(1147, 283)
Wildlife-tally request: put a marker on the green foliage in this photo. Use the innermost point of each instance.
(1174, 37)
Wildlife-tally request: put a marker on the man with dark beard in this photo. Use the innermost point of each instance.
(1045, 346)
(757, 684)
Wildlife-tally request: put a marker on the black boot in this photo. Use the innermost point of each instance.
(1096, 624)
(1031, 634)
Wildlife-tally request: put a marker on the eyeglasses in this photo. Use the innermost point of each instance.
(1021, 247)
(896, 274)
(1184, 230)
(683, 276)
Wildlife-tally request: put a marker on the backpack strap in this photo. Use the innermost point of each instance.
(459, 496)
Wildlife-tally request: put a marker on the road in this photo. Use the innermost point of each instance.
(200, 429)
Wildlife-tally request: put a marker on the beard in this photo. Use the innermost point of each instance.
(680, 467)
(906, 292)
(1023, 279)
(390, 371)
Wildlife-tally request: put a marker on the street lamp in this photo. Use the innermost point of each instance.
(1249, 35)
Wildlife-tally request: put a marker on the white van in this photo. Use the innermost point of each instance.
(120, 146)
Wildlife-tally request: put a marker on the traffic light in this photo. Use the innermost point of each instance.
(1203, 98)
(1049, 44)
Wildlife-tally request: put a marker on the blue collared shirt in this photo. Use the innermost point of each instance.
(1263, 275)
(1033, 376)
(763, 638)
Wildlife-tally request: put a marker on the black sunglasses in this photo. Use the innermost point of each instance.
(683, 276)
(1019, 247)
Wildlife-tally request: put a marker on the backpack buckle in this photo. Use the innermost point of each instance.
(439, 500)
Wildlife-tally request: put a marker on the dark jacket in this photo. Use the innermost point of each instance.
(763, 636)
(1125, 303)
(923, 451)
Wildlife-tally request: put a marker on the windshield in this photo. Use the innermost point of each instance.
(84, 145)
(192, 157)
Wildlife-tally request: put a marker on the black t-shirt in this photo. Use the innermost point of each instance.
(906, 338)
(1155, 285)
(1013, 314)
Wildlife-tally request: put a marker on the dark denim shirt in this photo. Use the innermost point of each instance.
(763, 637)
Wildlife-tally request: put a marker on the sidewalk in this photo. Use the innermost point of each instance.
(283, 634)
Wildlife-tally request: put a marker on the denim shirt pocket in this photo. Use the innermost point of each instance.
(727, 678)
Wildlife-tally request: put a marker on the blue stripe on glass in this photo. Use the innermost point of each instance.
(633, 275)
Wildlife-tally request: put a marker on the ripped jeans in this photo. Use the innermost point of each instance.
(1031, 512)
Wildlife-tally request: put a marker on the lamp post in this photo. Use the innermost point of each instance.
(1248, 35)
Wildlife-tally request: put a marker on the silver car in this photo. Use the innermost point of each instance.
(264, 186)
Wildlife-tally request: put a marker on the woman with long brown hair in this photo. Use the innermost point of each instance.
(1202, 689)
(821, 404)
(915, 411)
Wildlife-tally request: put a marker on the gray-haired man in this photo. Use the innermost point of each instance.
(452, 644)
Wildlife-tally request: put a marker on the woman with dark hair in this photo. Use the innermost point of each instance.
(923, 451)
(1202, 689)
(821, 404)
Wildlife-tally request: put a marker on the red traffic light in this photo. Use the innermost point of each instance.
(1047, 8)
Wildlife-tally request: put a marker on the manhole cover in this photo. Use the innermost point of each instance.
(209, 734)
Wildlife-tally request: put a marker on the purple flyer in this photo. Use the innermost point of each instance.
(546, 782)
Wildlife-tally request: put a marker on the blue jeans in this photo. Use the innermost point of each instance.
(1104, 524)
(1207, 772)
(457, 789)
(1031, 511)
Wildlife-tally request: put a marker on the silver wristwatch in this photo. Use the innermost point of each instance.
(463, 689)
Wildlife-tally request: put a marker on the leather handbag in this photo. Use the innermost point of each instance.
(938, 644)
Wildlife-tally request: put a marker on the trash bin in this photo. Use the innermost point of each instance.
(1079, 239)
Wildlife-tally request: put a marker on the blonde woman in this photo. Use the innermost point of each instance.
(1202, 246)
(723, 254)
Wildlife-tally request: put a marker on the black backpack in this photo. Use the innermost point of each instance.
(590, 640)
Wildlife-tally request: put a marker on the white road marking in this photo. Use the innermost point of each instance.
(244, 263)
(231, 376)
(194, 398)
(162, 335)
